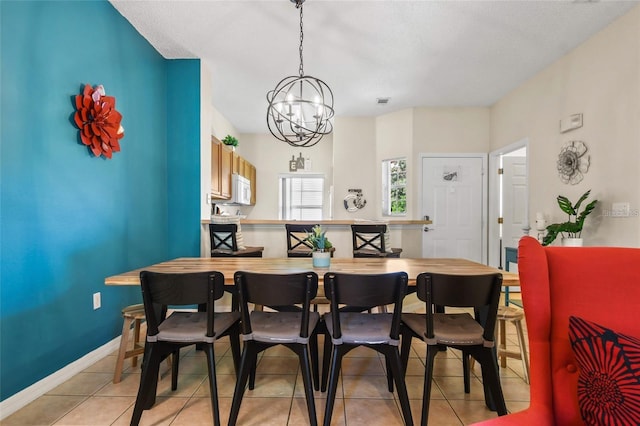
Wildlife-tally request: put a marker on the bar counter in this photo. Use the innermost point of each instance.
(271, 234)
(324, 222)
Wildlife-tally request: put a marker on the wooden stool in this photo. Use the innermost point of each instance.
(133, 315)
(516, 316)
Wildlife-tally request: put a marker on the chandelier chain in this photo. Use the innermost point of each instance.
(301, 69)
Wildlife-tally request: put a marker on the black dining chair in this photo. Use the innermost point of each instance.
(473, 335)
(372, 241)
(348, 327)
(287, 321)
(167, 334)
(297, 244)
(224, 242)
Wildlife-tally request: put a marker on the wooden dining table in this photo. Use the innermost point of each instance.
(229, 266)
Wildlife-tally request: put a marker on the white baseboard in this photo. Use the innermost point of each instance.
(27, 395)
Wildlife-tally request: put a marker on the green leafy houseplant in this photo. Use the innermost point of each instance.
(572, 227)
(318, 239)
(230, 140)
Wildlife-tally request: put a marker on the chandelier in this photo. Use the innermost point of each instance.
(300, 107)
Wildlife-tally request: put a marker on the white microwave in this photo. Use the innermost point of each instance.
(240, 190)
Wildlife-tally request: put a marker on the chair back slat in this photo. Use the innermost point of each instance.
(457, 290)
(276, 289)
(364, 289)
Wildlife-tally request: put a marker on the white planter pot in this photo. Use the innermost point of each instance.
(572, 242)
(321, 259)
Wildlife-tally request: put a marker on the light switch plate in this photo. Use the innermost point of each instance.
(572, 122)
(620, 209)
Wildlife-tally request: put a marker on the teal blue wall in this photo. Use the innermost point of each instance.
(184, 168)
(68, 219)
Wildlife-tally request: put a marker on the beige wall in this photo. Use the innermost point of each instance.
(354, 165)
(212, 122)
(601, 80)
(451, 130)
(220, 126)
(271, 158)
(394, 139)
(446, 131)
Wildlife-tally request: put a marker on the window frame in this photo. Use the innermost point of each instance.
(282, 209)
(388, 187)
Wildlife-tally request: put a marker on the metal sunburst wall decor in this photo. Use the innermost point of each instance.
(573, 162)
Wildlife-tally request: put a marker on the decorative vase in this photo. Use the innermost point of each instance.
(572, 242)
(321, 259)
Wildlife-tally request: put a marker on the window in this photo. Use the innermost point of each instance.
(394, 187)
(301, 197)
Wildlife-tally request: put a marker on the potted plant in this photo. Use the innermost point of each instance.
(320, 245)
(230, 141)
(571, 230)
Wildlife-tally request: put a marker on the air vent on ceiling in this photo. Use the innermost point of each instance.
(382, 101)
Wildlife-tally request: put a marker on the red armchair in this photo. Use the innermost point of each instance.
(600, 284)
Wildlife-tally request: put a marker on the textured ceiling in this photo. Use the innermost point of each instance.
(418, 53)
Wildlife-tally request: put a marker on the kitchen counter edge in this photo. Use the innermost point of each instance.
(324, 222)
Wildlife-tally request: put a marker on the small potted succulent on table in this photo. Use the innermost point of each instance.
(321, 246)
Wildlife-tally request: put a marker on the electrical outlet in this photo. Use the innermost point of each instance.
(97, 302)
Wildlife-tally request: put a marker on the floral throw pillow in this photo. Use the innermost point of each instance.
(609, 380)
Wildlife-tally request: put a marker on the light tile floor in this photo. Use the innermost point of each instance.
(90, 398)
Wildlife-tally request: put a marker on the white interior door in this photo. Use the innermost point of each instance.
(453, 196)
(514, 204)
(514, 200)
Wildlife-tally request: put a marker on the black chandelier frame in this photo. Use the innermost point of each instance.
(300, 107)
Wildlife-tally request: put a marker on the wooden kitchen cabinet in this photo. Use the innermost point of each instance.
(225, 162)
(252, 177)
(226, 157)
(221, 167)
(244, 168)
(240, 166)
(235, 163)
(215, 167)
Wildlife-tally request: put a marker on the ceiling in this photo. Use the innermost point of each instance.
(417, 53)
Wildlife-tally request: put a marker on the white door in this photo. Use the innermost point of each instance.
(453, 196)
(514, 200)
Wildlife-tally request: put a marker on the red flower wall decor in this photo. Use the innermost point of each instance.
(98, 121)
